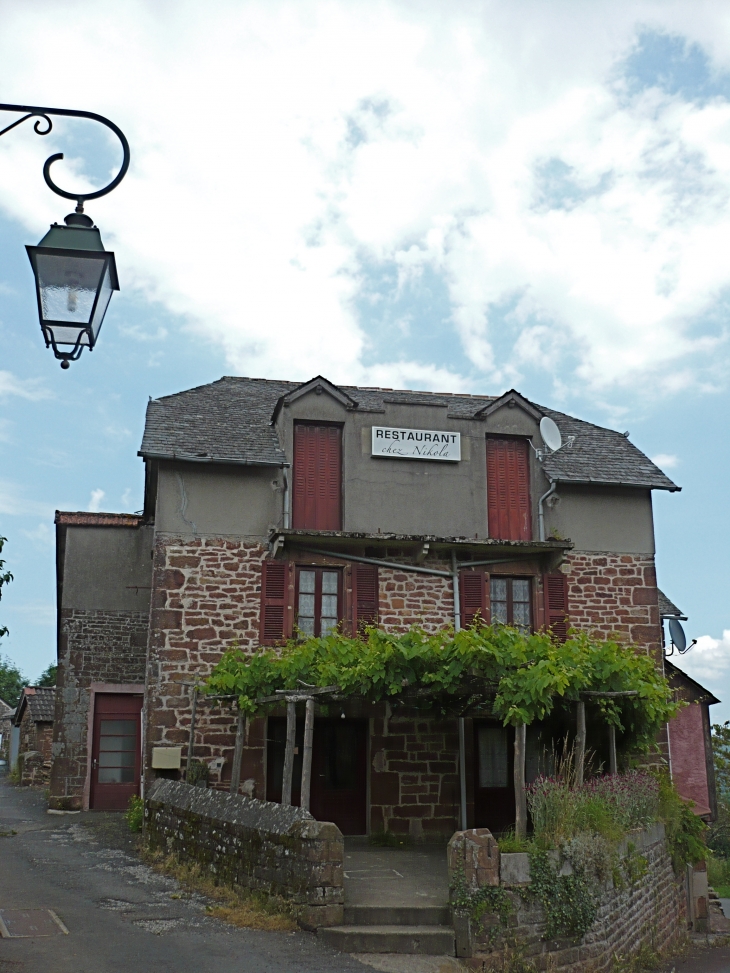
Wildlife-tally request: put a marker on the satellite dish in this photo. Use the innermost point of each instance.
(676, 633)
(550, 434)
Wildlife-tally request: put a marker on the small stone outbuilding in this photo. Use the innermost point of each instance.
(6, 721)
(34, 717)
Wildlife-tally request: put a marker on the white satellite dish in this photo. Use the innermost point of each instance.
(550, 434)
(676, 633)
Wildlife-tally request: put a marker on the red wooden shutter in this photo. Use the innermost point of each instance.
(317, 501)
(474, 592)
(364, 596)
(274, 591)
(555, 590)
(508, 489)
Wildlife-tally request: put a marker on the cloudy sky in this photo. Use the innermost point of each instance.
(461, 197)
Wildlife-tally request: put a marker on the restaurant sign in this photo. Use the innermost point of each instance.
(416, 444)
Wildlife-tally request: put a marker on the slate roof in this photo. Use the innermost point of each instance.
(229, 421)
(668, 608)
(40, 701)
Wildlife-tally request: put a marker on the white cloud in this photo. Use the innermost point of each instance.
(665, 461)
(708, 661)
(31, 388)
(14, 502)
(127, 499)
(280, 148)
(43, 535)
(94, 503)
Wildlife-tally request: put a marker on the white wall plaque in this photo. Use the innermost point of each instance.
(416, 444)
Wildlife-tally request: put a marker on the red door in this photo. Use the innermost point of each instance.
(508, 489)
(339, 770)
(116, 757)
(317, 501)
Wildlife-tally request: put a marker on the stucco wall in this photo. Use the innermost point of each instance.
(615, 519)
(689, 767)
(107, 568)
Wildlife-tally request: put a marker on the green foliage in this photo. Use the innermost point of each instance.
(480, 900)
(721, 754)
(570, 902)
(197, 774)
(49, 676)
(718, 873)
(134, 814)
(5, 578)
(527, 673)
(509, 843)
(684, 830)
(11, 682)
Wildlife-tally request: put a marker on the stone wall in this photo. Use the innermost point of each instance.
(95, 647)
(414, 776)
(34, 756)
(648, 908)
(407, 599)
(615, 594)
(271, 847)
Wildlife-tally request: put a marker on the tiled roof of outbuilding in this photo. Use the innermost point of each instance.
(40, 701)
(229, 421)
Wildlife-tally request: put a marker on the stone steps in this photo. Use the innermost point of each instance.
(384, 915)
(423, 940)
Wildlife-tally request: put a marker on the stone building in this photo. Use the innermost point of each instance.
(34, 717)
(272, 507)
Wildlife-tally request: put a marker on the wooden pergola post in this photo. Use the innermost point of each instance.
(307, 755)
(291, 734)
(580, 745)
(191, 740)
(519, 779)
(612, 761)
(238, 753)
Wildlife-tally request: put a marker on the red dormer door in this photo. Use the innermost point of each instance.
(317, 500)
(508, 489)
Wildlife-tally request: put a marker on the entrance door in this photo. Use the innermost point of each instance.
(339, 770)
(116, 753)
(494, 793)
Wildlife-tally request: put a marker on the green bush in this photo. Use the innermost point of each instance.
(685, 831)
(135, 813)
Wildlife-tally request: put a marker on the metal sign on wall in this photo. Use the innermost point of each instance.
(416, 444)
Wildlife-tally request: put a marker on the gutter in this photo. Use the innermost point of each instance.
(634, 485)
(224, 461)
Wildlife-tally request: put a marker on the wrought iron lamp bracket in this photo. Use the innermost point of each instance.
(43, 126)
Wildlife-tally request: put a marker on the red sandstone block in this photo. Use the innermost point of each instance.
(166, 619)
(184, 561)
(445, 767)
(411, 811)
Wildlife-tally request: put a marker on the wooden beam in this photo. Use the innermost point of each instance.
(191, 740)
(307, 755)
(519, 780)
(613, 762)
(291, 733)
(238, 753)
(580, 744)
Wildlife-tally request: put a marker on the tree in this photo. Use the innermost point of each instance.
(5, 578)
(719, 832)
(11, 682)
(48, 678)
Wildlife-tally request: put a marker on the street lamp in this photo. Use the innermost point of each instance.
(74, 274)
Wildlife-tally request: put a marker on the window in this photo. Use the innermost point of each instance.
(318, 600)
(317, 488)
(508, 489)
(511, 602)
(493, 752)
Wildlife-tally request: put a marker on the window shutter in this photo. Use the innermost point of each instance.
(364, 596)
(474, 592)
(317, 478)
(508, 489)
(274, 591)
(555, 590)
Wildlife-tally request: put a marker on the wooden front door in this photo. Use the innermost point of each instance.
(339, 770)
(116, 757)
(494, 793)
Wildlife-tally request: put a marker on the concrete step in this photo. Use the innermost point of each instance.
(420, 940)
(397, 915)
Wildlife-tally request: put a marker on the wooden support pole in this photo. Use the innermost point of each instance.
(613, 762)
(291, 734)
(519, 777)
(238, 753)
(580, 745)
(307, 755)
(191, 740)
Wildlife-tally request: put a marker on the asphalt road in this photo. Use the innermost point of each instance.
(119, 913)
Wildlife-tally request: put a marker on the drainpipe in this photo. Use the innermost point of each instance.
(462, 732)
(540, 509)
(286, 500)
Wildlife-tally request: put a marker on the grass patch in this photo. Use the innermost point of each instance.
(510, 844)
(232, 904)
(723, 891)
